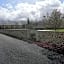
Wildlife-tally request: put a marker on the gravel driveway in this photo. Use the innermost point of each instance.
(13, 51)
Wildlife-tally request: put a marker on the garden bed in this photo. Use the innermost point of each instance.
(54, 47)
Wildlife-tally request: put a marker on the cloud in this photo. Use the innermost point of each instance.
(4, 13)
(33, 11)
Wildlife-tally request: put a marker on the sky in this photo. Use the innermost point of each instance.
(34, 9)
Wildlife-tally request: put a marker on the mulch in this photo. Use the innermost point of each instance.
(59, 48)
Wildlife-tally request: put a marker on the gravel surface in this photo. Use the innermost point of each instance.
(13, 51)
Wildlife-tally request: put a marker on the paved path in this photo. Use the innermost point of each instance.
(13, 51)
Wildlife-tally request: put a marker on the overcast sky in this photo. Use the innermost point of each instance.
(21, 9)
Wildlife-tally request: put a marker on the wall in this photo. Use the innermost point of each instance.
(45, 36)
(50, 36)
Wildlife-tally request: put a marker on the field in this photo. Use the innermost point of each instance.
(60, 30)
(57, 30)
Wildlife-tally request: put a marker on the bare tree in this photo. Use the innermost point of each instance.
(54, 20)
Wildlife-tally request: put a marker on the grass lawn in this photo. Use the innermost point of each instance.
(59, 30)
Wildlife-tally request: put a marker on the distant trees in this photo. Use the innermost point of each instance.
(28, 21)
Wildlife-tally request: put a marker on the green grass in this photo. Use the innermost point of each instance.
(59, 30)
